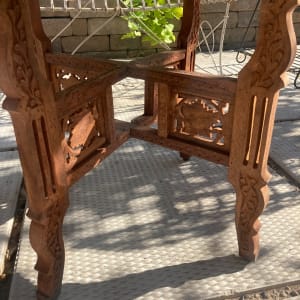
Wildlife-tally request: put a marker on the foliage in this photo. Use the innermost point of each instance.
(155, 23)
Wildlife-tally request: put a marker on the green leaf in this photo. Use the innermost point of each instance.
(156, 21)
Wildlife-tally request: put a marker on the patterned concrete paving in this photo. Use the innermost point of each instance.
(10, 182)
(7, 137)
(286, 148)
(288, 105)
(146, 225)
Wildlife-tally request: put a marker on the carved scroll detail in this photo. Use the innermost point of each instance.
(248, 209)
(54, 217)
(22, 68)
(253, 196)
(272, 58)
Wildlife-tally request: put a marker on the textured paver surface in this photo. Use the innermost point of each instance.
(285, 148)
(7, 137)
(10, 182)
(288, 105)
(145, 225)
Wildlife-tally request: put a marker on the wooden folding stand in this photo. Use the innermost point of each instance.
(62, 111)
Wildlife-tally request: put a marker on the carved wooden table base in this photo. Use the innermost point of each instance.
(62, 112)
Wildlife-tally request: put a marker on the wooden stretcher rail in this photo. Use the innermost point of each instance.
(189, 148)
(165, 58)
(82, 63)
(76, 96)
(218, 87)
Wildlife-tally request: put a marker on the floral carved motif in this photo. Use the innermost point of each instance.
(203, 119)
(272, 63)
(251, 207)
(23, 71)
(55, 216)
(55, 243)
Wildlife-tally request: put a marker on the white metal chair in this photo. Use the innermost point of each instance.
(210, 33)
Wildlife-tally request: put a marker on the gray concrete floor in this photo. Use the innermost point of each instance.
(145, 225)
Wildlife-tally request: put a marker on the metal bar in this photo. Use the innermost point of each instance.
(241, 49)
(100, 9)
(110, 7)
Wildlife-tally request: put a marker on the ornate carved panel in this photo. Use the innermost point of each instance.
(205, 120)
(84, 132)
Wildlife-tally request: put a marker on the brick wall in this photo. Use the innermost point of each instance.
(108, 41)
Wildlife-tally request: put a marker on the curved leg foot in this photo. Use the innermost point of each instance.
(47, 241)
(184, 156)
(252, 197)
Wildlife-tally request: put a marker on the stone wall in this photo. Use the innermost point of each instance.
(108, 42)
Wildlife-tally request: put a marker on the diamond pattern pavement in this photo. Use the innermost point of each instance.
(146, 225)
(10, 182)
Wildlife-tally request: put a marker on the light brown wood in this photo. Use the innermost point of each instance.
(62, 111)
(64, 126)
(183, 58)
(255, 105)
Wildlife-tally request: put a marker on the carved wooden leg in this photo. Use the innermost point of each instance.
(47, 241)
(254, 112)
(252, 197)
(42, 159)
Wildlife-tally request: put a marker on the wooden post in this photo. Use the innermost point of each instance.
(30, 101)
(189, 33)
(255, 104)
(188, 40)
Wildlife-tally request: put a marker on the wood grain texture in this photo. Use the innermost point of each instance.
(256, 100)
(62, 111)
(62, 115)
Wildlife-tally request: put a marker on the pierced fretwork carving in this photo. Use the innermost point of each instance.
(62, 111)
(205, 120)
(65, 77)
(84, 132)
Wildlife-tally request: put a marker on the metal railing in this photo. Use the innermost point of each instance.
(105, 5)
